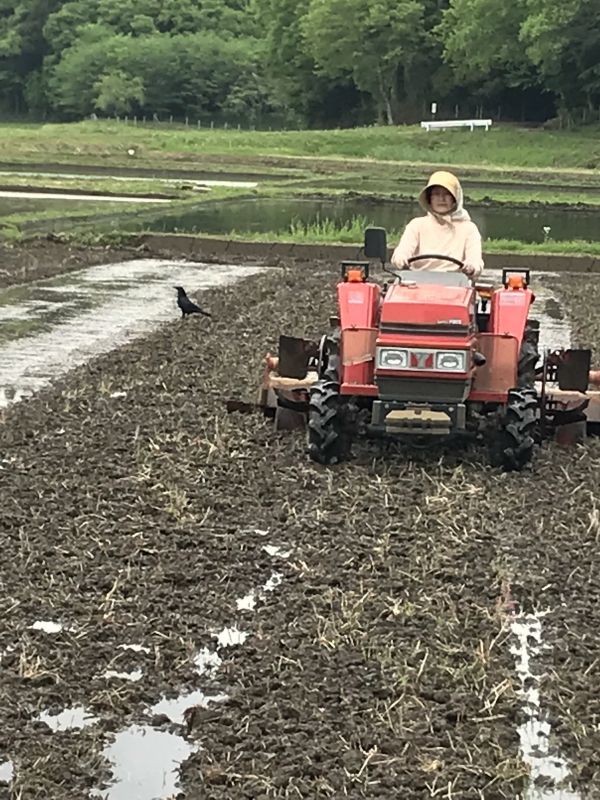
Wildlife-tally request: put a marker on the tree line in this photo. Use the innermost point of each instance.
(311, 62)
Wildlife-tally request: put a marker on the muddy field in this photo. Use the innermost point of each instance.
(42, 258)
(355, 627)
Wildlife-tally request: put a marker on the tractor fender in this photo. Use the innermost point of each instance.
(509, 309)
(358, 304)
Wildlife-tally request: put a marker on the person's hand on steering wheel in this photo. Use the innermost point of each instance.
(469, 269)
(400, 262)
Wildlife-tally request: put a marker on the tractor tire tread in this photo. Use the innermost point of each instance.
(327, 441)
(529, 356)
(514, 445)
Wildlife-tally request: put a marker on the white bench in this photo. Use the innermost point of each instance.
(457, 123)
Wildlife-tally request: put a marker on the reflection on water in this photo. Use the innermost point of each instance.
(7, 771)
(175, 708)
(74, 718)
(230, 637)
(145, 764)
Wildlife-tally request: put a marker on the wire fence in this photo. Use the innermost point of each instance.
(206, 122)
(265, 121)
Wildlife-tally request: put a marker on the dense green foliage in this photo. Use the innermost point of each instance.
(308, 62)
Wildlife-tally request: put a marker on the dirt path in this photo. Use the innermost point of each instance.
(374, 661)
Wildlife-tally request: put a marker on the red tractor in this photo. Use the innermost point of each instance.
(428, 357)
(431, 355)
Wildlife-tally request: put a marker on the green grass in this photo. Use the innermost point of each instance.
(327, 231)
(144, 187)
(574, 247)
(504, 146)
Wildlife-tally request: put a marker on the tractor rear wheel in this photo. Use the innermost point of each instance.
(512, 447)
(328, 441)
(529, 355)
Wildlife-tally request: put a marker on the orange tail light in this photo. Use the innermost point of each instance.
(355, 276)
(516, 282)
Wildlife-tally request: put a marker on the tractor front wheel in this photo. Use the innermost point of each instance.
(513, 445)
(328, 441)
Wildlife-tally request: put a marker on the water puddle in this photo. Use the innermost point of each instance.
(273, 582)
(137, 648)
(133, 676)
(46, 625)
(175, 709)
(273, 550)
(145, 763)
(229, 637)
(7, 771)
(545, 765)
(75, 718)
(51, 326)
(257, 531)
(247, 603)
(207, 661)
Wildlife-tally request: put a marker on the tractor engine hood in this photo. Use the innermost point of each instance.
(420, 308)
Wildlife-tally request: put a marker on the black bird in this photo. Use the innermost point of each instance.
(186, 305)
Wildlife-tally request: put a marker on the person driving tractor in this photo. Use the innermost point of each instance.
(447, 230)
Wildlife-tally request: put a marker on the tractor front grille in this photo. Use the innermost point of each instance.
(426, 330)
(422, 390)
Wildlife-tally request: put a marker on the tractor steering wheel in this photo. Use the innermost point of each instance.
(442, 258)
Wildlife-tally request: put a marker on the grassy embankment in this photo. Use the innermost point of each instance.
(503, 148)
(506, 165)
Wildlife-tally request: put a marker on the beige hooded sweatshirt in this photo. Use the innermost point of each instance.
(451, 234)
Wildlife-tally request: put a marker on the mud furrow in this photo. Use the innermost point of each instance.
(380, 664)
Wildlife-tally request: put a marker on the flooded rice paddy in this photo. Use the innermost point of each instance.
(263, 215)
(49, 327)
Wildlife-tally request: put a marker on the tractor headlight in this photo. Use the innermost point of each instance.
(451, 361)
(392, 358)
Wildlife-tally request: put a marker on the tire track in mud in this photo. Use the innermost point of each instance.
(563, 544)
(534, 518)
(388, 676)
